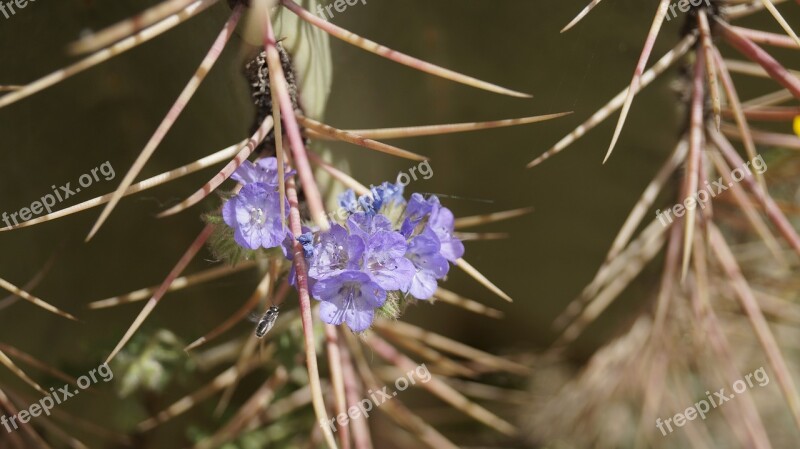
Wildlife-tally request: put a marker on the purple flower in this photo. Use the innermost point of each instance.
(387, 193)
(334, 252)
(254, 215)
(264, 170)
(378, 196)
(350, 297)
(364, 225)
(307, 240)
(384, 260)
(348, 201)
(439, 219)
(288, 251)
(424, 251)
(442, 224)
(417, 210)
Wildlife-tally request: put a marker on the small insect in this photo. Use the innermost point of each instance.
(267, 321)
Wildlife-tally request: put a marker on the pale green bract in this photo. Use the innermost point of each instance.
(308, 45)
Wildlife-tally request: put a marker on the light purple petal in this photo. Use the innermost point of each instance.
(264, 171)
(442, 221)
(359, 320)
(442, 224)
(453, 249)
(365, 225)
(423, 285)
(331, 313)
(394, 276)
(254, 216)
(419, 208)
(327, 289)
(348, 201)
(385, 261)
(388, 244)
(335, 251)
(350, 296)
(229, 212)
(246, 238)
(424, 252)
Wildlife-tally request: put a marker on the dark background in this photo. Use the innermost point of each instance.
(109, 112)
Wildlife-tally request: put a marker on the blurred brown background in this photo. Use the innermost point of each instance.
(109, 112)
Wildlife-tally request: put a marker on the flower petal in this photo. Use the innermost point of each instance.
(423, 285)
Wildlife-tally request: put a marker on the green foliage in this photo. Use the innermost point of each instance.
(396, 304)
(150, 363)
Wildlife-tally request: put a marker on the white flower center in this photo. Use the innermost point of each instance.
(257, 215)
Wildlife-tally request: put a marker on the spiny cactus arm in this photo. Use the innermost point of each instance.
(752, 51)
(172, 115)
(604, 112)
(440, 389)
(781, 21)
(400, 58)
(738, 112)
(753, 311)
(691, 178)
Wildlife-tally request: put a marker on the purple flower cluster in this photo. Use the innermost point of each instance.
(385, 246)
(383, 249)
(254, 213)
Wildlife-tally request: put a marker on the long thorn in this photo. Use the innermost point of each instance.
(171, 117)
(581, 15)
(637, 74)
(475, 274)
(33, 299)
(226, 171)
(396, 56)
(106, 54)
(127, 27)
(187, 257)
